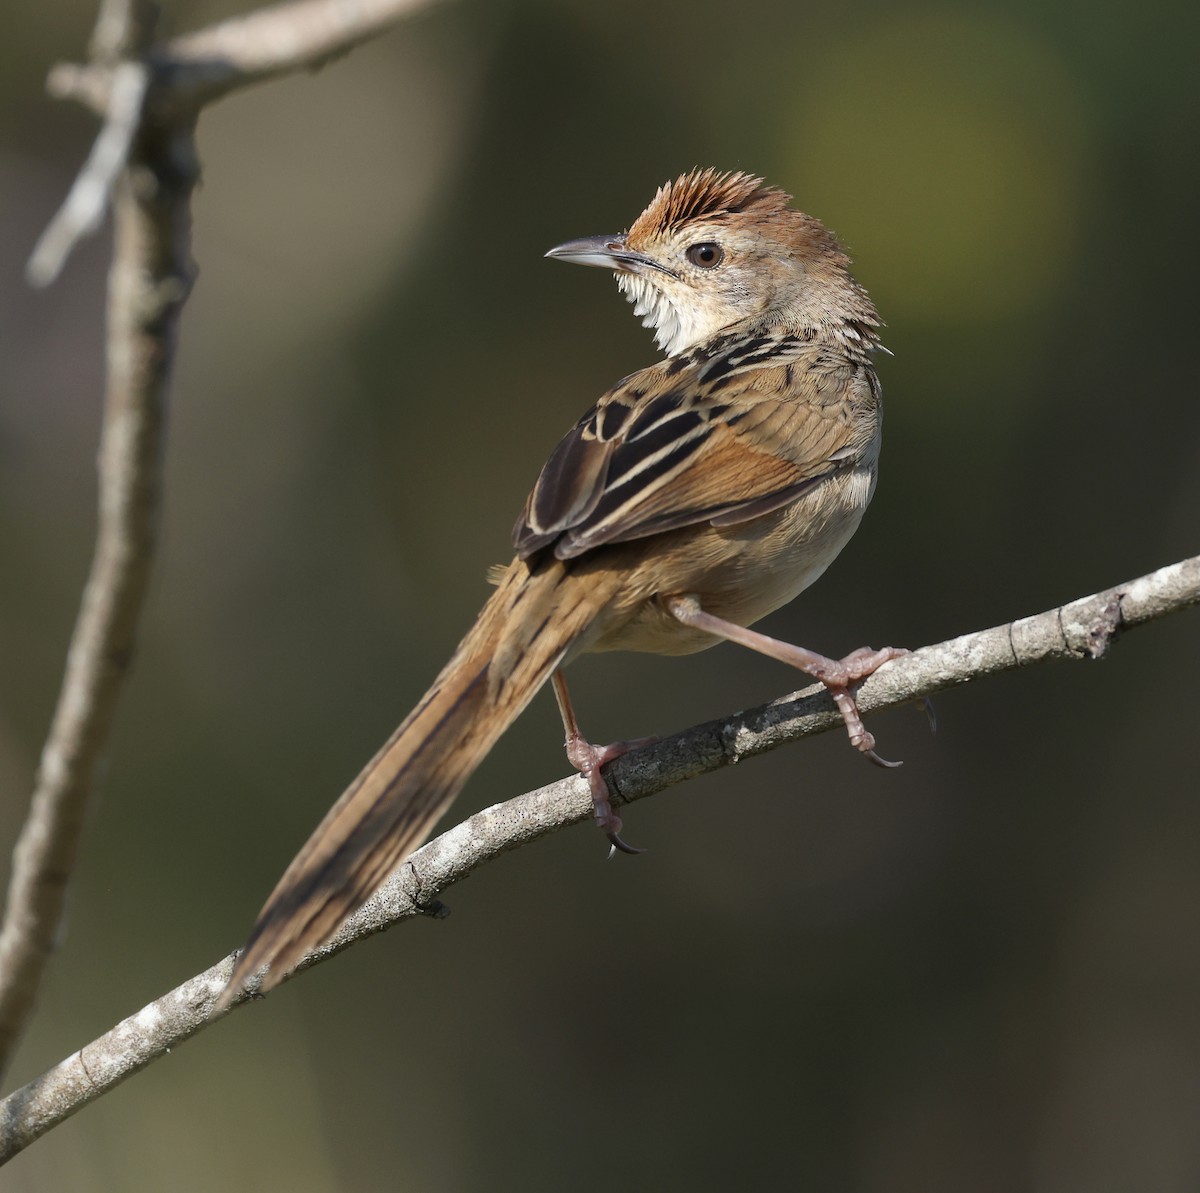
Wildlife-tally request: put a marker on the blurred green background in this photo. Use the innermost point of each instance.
(977, 973)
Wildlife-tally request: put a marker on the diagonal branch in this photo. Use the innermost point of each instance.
(147, 285)
(123, 33)
(85, 204)
(280, 39)
(1082, 629)
(144, 163)
(195, 69)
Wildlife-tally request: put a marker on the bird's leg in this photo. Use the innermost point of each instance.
(588, 759)
(838, 675)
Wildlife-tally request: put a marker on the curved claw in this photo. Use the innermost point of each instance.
(926, 703)
(590, 760)
(863, 741)
(617, 845)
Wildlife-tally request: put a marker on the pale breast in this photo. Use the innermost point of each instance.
(740, 573)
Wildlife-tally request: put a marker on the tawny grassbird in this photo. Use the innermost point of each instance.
(695, 497)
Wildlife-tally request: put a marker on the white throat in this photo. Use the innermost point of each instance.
(674, 331)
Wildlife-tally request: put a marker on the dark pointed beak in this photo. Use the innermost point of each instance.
(606, 252)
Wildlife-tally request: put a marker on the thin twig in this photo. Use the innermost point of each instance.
(123, 33)
(124, 29)
(183, 75)
(1081, 629)
(148, 283)
(144, 160)
(195, 69)
(85, 204)
(140, 339)
(280, 39)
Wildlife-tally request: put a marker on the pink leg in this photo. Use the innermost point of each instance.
(838, 675)
(588, 759)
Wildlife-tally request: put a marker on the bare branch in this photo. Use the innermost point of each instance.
(1079, 630)
(197, 68)
(178, 78)
(148, 283)
(85, 204)
(124, 28)
(297, 35)
(146, 288)
(144, 159)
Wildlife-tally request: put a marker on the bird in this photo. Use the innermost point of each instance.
(695, 497)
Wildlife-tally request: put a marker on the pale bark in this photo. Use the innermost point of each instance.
(142, 166)
(1083, 629)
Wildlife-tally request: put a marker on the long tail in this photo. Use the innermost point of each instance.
(519, 638)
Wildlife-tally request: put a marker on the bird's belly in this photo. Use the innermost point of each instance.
(741, 573)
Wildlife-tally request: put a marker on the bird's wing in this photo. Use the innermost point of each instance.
(718, 438)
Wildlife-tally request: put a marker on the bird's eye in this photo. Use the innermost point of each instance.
(706, 255)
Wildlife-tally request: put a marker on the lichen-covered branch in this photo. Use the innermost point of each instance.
(1082, 629)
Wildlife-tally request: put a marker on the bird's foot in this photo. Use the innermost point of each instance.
(839, 676)
(588, 760)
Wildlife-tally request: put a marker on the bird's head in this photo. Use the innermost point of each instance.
(715, 249)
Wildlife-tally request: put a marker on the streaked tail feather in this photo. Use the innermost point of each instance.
(517, 641)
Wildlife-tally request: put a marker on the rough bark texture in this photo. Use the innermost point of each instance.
(1083, 629)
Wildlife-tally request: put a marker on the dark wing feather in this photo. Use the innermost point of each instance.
(569, 486)
(669, 448)
(698, 481)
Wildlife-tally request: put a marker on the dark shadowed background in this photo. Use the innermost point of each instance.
(977, 973)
